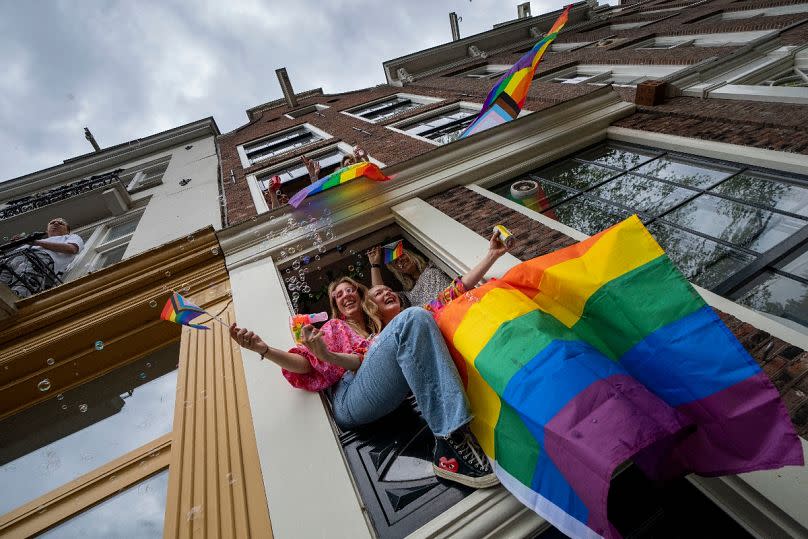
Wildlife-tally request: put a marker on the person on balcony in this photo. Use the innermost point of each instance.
(41, 265)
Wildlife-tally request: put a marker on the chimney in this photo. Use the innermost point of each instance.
(286, 87)
(454, 22)
(523, 10)
(89, 136)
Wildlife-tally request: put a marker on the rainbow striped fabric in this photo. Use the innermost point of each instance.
(507, 97)
(357, 170)
(393, 251)
(180, 311)
(580, 360)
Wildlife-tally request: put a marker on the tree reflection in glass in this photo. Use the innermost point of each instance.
(768, 192)
(586, 215)
(577, 175)
(643, 194)
(679, 171)
(778, 295)
(742, 225)
(618, 157)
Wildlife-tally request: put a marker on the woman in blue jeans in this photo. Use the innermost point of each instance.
(408, 355)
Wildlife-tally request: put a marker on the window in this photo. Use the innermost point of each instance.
(294, 175)
(490, 71)
(765, 12)
(737, 230)
(443, 126)
(724, 39)
(387, 107)
(660, 44)
(305, 110)
(562, 47)
(145, 176)
(279, 143)
(629, 25)
(619, 75)
(104, 244)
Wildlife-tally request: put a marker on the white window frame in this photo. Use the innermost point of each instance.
(420, 99)
(398, 126)
(292, 115)
(487, 71)
(742, 83)
(89, 258)
(773, 11)
(599, 72)
(564, 47)
(257, 195)
(629, 25)
(136, 178)
(723, 39)
(242, 152)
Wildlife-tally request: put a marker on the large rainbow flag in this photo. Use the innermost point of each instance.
(507, 97)
(600, 353)
(346, 174)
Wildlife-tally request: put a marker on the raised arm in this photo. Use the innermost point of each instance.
(375, 259)
(313, 167)
(495, 250)
(287, 360)
(312, 338)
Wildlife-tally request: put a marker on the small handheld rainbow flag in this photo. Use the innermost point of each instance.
(343, 175)
(393, 251)
(508, 96)
(180, 311)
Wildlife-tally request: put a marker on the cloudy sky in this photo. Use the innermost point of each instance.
(130, 69)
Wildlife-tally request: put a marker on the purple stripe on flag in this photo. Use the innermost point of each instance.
(753, 431)
(602, 427)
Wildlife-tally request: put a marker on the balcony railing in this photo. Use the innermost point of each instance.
(26, 204)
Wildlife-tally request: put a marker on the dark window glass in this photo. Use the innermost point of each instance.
(58, 440)
(685, 172)
(762, 190)
(387, 108)
(587, 215)
(777, 295)
(445, 127)
(329, 162)
(576, 174)
(113, 256)
(136, 513)
(280, 143)
(797, 266)
(742, 225)
(703, 261)
(644, 194)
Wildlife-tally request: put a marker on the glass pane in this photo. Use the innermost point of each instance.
(298, 170)
(445, 137)
(702, 261)
(122, 229)
(586, 215)
(576, 174)
(73, 433)
(643, 194)
(761, 190)
(113, 256)
(798, 266)
(779, 296)
(617, 157)
(136, 513)
(536, 194)
(737, 223)
(438, 121)
(684, 172)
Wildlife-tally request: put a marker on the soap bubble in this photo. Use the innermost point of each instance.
(50, 361)
(141, 375)
(44, 385)
(214, 251)
(153, 303)
(59, 397)
(82, 408)
(195, 512)
(168, 274)
(99, 345)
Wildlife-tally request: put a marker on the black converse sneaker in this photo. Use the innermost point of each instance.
(460, 458)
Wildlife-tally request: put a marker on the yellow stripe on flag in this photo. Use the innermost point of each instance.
(479, 324)
(566, 287)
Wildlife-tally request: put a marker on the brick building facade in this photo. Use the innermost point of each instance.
(718, 171)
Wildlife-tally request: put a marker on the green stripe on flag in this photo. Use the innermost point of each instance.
(517, 451)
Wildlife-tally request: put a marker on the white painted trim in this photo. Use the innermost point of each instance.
(784, 161)
(257, 196)
(420, 99)
(308, 486)
(397, 127)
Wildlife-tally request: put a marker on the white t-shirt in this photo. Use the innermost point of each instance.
(62, 260)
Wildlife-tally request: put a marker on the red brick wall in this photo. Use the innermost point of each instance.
(786, 365)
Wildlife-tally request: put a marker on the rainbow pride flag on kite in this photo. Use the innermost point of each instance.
(507, 97)
(180, 311)
(357, 170)
(393, 251)
(599, 353)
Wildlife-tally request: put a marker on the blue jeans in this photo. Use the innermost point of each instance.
(408, 355)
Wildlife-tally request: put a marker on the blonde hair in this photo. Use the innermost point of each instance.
(406, 281)
(370, 312)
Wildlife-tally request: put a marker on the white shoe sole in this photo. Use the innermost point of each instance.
(485, 481)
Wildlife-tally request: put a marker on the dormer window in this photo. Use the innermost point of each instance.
(387, 107)
(279, 143)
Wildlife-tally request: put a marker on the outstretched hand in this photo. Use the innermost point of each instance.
(496, 247)
(313, 167)
(312, 338)
(248, 339)
(375, 255)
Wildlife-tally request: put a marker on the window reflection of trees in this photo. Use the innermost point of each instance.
(780, 296)
(771, 193)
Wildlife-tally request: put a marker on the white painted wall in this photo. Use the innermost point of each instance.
(174, 211)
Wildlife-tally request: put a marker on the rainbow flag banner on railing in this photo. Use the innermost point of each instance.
(343, 175)
(600, 353)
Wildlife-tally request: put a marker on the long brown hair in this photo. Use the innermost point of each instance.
(370, 312)
(406, 281)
